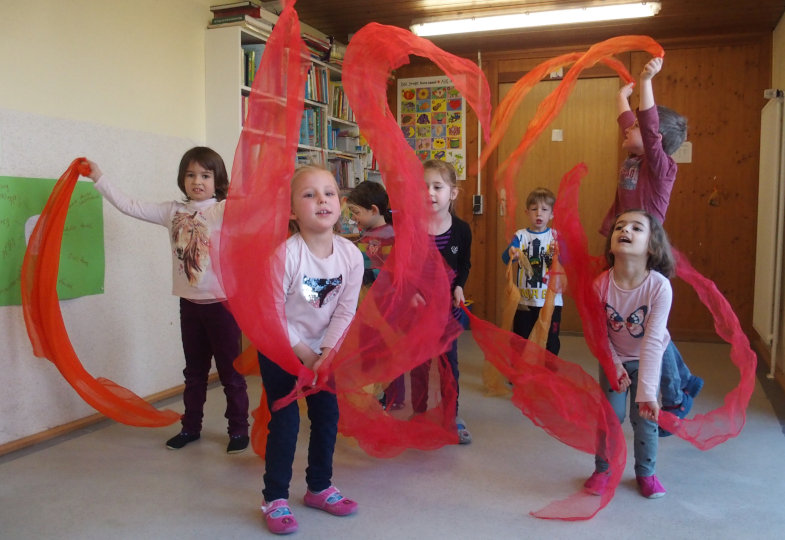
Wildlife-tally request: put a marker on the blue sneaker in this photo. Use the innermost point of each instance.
(694, 386)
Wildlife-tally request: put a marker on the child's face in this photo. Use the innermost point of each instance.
(440, 193)
(199, 182)
(316, 204)
(539, 214)
(631, 234)
(633, 142)
(365, 217)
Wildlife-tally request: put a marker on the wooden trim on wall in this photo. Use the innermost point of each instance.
(82, 423)
(764, 355)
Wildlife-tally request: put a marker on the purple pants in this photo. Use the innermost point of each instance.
(209, 330)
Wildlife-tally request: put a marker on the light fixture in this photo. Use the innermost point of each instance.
(528, 19)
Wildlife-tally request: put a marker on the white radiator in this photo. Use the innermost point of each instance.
(771, 215)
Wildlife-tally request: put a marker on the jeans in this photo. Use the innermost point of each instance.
(675, 376)
(209, 330)
(645, 435)
(284, 427)
(524, 322)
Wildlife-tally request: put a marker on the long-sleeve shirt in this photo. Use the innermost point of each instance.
(375, 245)
(194, 227)
(646, 180)
(538, 248)
(455, 245)
(637, 325)
(321, 294)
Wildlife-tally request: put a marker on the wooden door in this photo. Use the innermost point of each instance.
(590, 135)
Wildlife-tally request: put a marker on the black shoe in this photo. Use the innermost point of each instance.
(180, 440)
(237, 444)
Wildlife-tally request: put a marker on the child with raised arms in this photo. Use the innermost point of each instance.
(322, 280)
(636, 294)
(645, 181)
(534, 248)
(208, 328)
(453, 238)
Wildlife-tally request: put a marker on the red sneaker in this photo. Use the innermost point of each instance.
(650, 487)
(597, 483)
(279, 517)
(331, 501)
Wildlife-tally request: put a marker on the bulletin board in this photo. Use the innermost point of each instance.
(82, 249)
(432, 116)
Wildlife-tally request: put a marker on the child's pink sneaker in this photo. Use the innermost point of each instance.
(597, 483)
(279, 517)
(650, 487)
(330, 500)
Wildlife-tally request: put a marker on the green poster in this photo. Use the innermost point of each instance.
(82, 253)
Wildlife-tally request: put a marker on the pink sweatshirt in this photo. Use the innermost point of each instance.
(637, 326)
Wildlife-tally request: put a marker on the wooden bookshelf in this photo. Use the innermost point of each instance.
(327, 114)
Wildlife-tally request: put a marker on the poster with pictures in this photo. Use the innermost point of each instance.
(432, 116)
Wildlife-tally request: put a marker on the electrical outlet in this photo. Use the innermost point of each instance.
(477, 204)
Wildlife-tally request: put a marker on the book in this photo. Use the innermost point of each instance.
(238, 4)
(243, 20)
(251, 11)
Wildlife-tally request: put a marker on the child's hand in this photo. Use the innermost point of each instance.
(321, 364)
(649, 410)
(626, 91)
(651, 68)
(305, 354)
(514, 253)
(457, 297)
(95, 171)
(623, 378)
(417, 300)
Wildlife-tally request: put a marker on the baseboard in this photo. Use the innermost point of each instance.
(64, 429)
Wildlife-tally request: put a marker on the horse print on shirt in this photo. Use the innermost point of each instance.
(191, 244)
(319, 291)
(635, 323)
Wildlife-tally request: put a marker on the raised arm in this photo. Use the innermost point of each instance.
(651, 68)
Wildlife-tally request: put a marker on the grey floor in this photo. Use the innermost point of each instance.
(119, 482)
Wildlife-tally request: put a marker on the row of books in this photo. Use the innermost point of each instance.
(340, 105)
(317, 84)
(252, 8)
(311, 128)
(345, 171)
(252, 57)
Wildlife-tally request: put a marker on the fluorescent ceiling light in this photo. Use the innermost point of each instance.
(528, 19)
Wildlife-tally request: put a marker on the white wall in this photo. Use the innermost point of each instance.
(122, 82)
(778, 81)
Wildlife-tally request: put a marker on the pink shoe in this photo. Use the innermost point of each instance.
(331, 501)
(597, 483)
(650, 487)
(279, 517)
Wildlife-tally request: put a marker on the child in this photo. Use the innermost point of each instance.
(533, 248)
(646, 181)
(453, 238)
(370, 208)
(208, 328)
(316, 260)
(637, 297)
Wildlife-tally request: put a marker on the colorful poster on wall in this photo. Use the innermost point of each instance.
(432, 116)
(82, 252)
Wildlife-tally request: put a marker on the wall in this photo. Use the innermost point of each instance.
(778, 81)
(123, 83)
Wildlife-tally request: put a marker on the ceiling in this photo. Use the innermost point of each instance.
(677, 19)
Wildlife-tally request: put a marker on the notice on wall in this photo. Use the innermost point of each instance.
(82, 248)
(432, 116)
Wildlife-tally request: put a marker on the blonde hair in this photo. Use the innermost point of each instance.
(299, 172)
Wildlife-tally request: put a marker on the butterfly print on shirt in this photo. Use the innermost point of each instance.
(634, 323)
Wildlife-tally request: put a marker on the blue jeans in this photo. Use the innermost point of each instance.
(675, 376)
(646, 437)
(284, 427)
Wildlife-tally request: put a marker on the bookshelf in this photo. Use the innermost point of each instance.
(328, 134)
